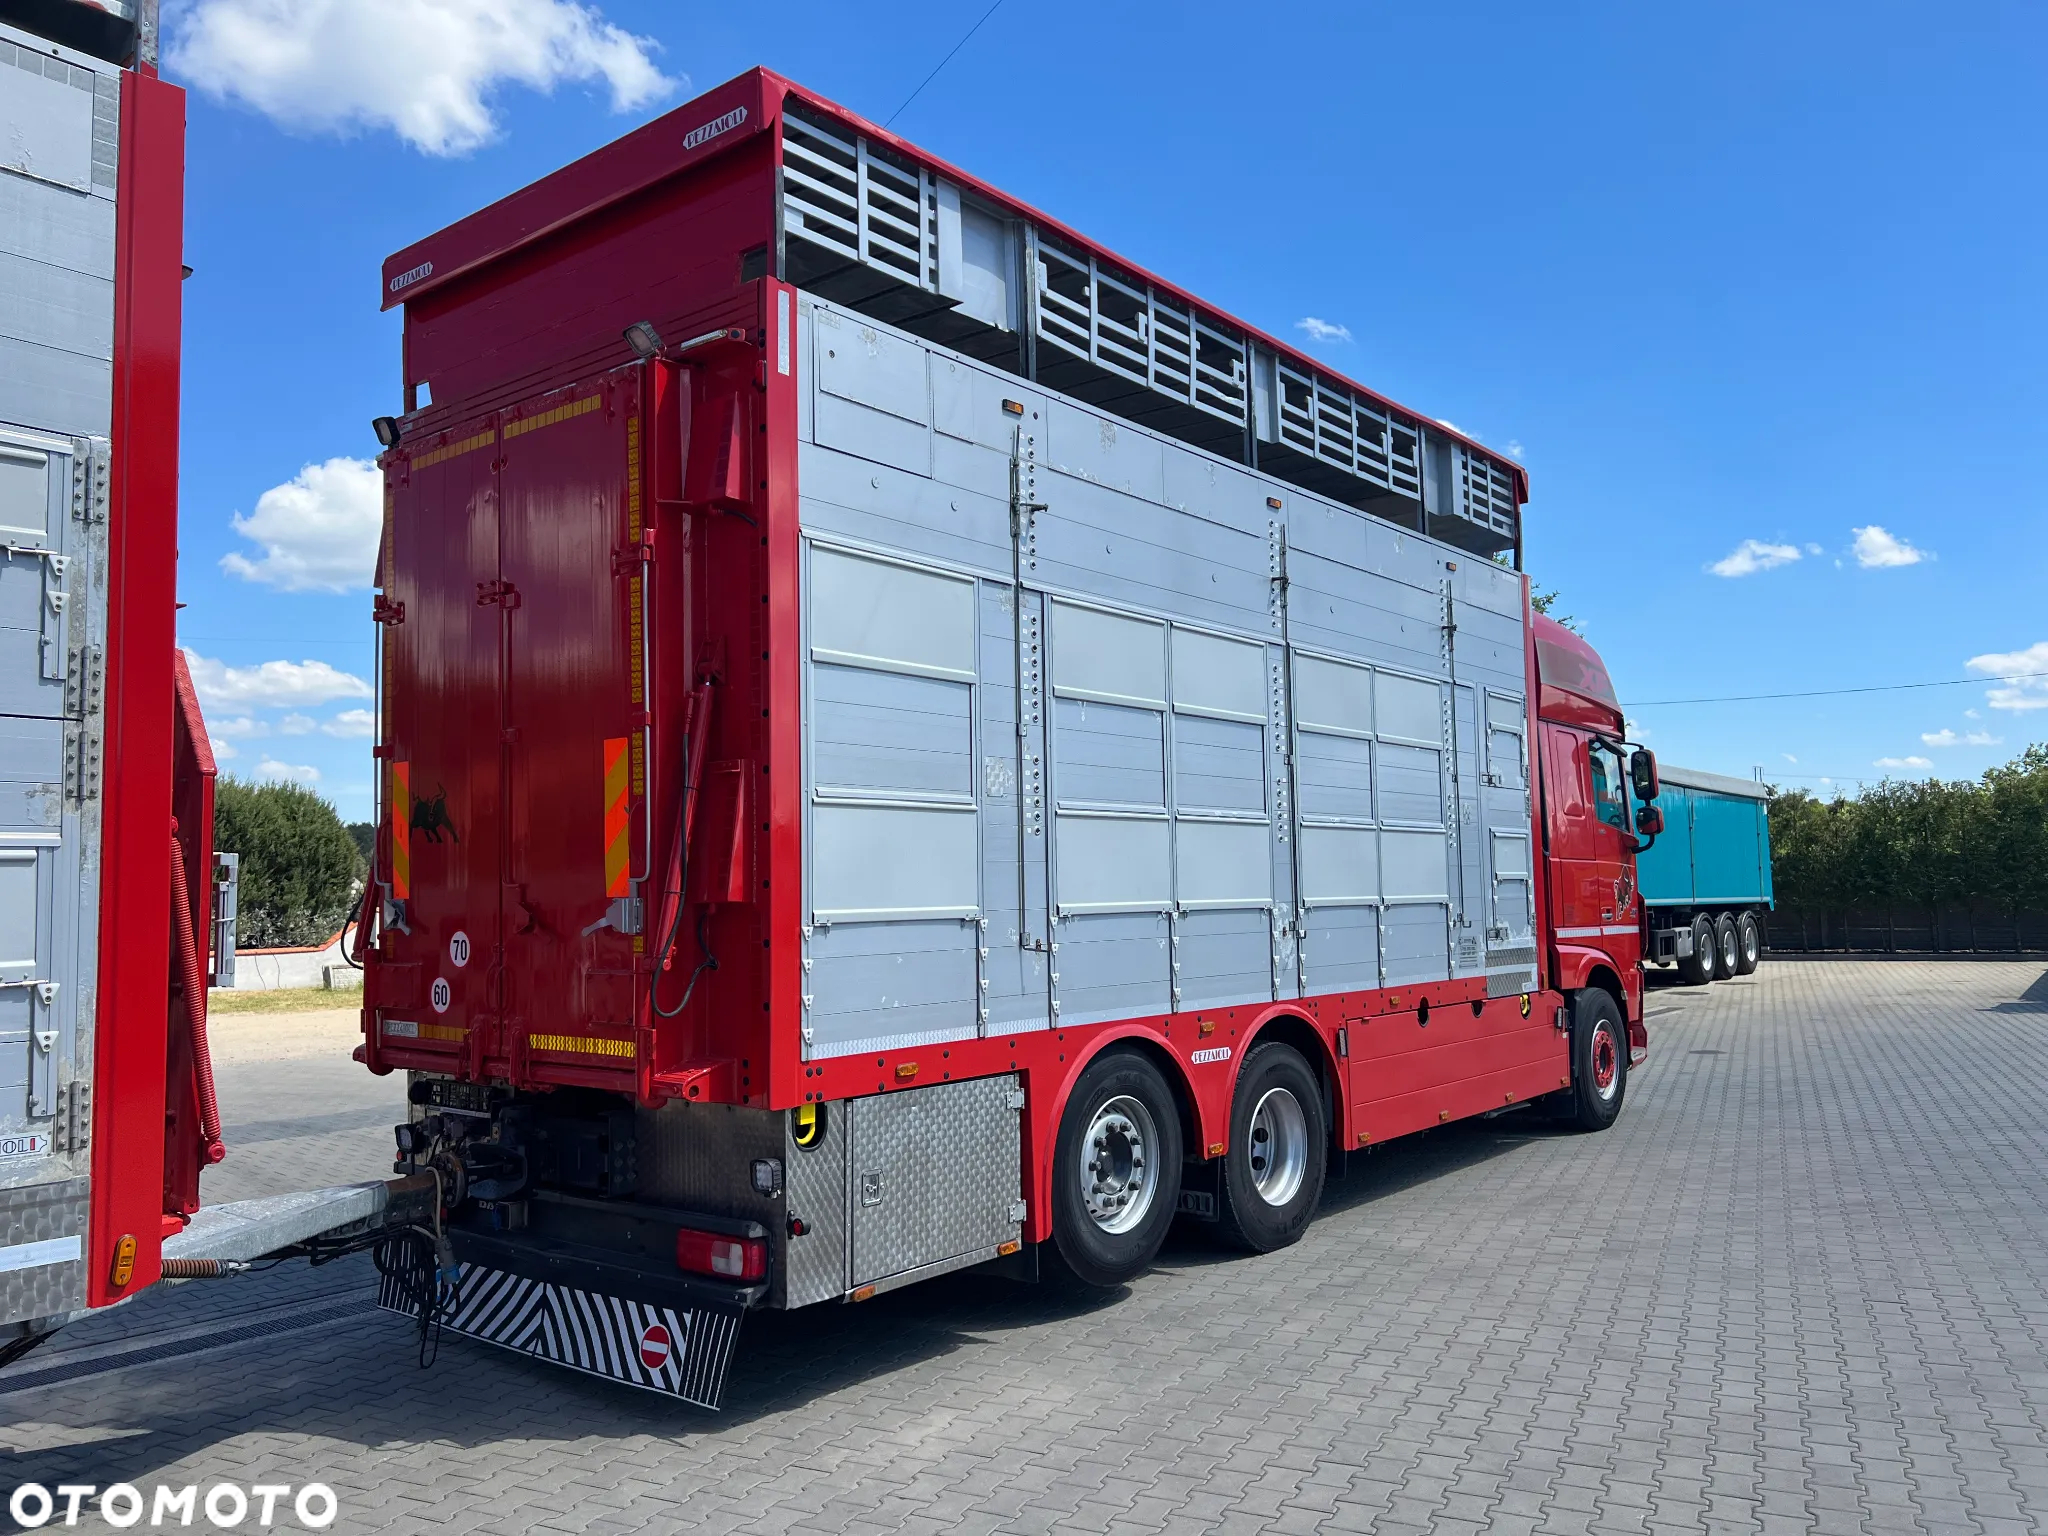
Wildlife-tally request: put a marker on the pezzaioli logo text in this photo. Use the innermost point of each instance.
(263, 1505)
(711, 130)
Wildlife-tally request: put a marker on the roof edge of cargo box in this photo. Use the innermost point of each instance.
(732, 114)
(1713, 783)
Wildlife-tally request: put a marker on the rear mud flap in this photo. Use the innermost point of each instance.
(679, 1352)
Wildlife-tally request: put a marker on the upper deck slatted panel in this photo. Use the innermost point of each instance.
(870, 224)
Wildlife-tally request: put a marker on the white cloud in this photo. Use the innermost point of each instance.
(270, 685)
(318, 530)
(1753, 555)
(224, 752)
(297, 725)
(2012, 668)
(1875, 549)
(1813, 549)
(1971, 714)
(1789, 758)
(1948, 738)
(237, 726)
(1941, 738)
(1903, 762)
(352, 722)
(428, 70)
(1514, 449)
(1326, 330)
(291, 773)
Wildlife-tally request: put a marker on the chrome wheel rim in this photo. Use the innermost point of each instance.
(1278, 1150)
(1728, 951)
(1118, 1181)
(1751, 944)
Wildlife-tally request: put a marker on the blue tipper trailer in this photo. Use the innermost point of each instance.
(1706, 880)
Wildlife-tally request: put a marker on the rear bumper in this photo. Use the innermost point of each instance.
(552, 1262)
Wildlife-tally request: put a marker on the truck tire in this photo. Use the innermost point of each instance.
(1727, 948)
(1279, 1151)
(1599, 1061)
(1749, 944)
(1115, 1169)
(1697, 968)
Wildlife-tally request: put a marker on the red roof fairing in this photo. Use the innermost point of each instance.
(710, 125)
(1575, 684)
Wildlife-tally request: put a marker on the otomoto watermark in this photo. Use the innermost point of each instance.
(261, 1506)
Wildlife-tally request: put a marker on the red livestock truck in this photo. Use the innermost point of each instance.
(911, 743)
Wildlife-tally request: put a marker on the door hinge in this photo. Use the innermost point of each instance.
(73, 1130)
(385, 611)
(628, 914)
(501, 592)
(629, 558)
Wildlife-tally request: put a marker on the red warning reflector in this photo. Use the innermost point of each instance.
(655, 1346)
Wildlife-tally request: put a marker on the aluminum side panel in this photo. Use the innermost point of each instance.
(1173, 836)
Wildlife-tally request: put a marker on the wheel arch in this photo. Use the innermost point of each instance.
(1294, 1030)
(1153, 1049)
(1045, 1111)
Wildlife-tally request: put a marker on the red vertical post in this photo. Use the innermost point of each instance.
(135, 817)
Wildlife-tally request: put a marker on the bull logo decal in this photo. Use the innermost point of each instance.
(430, 817)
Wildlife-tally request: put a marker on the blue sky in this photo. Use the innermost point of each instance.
(1740, 286)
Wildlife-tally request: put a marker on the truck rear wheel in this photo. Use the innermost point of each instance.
(1273, 1173)
(1727, 948)
(1115, 1169)
(1599, 1060)
(1697, 968)
(1749, 944)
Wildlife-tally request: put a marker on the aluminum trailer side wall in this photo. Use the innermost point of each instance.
(1266, 751)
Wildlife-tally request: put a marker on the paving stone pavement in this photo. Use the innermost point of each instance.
(1803, 1285)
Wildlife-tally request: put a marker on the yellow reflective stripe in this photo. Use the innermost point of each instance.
(452, 450)
(588, 1045)
(548, 418)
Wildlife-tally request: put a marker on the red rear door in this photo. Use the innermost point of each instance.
(572, 597)
(434, 985)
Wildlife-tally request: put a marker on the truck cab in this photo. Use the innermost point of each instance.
(1589, 780)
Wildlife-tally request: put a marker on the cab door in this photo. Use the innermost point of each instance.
(1592, 859)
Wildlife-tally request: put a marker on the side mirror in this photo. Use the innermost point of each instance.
(1649, 820)
(1642, 773)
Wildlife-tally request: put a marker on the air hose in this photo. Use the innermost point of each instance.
(211, 1150)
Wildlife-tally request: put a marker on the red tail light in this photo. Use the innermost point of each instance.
(721, 1257)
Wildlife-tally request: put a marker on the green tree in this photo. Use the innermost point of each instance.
(1544, 601)
(1937, 847)
(364, 835)
(298, 869)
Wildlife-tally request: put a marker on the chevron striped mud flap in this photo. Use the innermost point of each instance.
(681, 1352)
